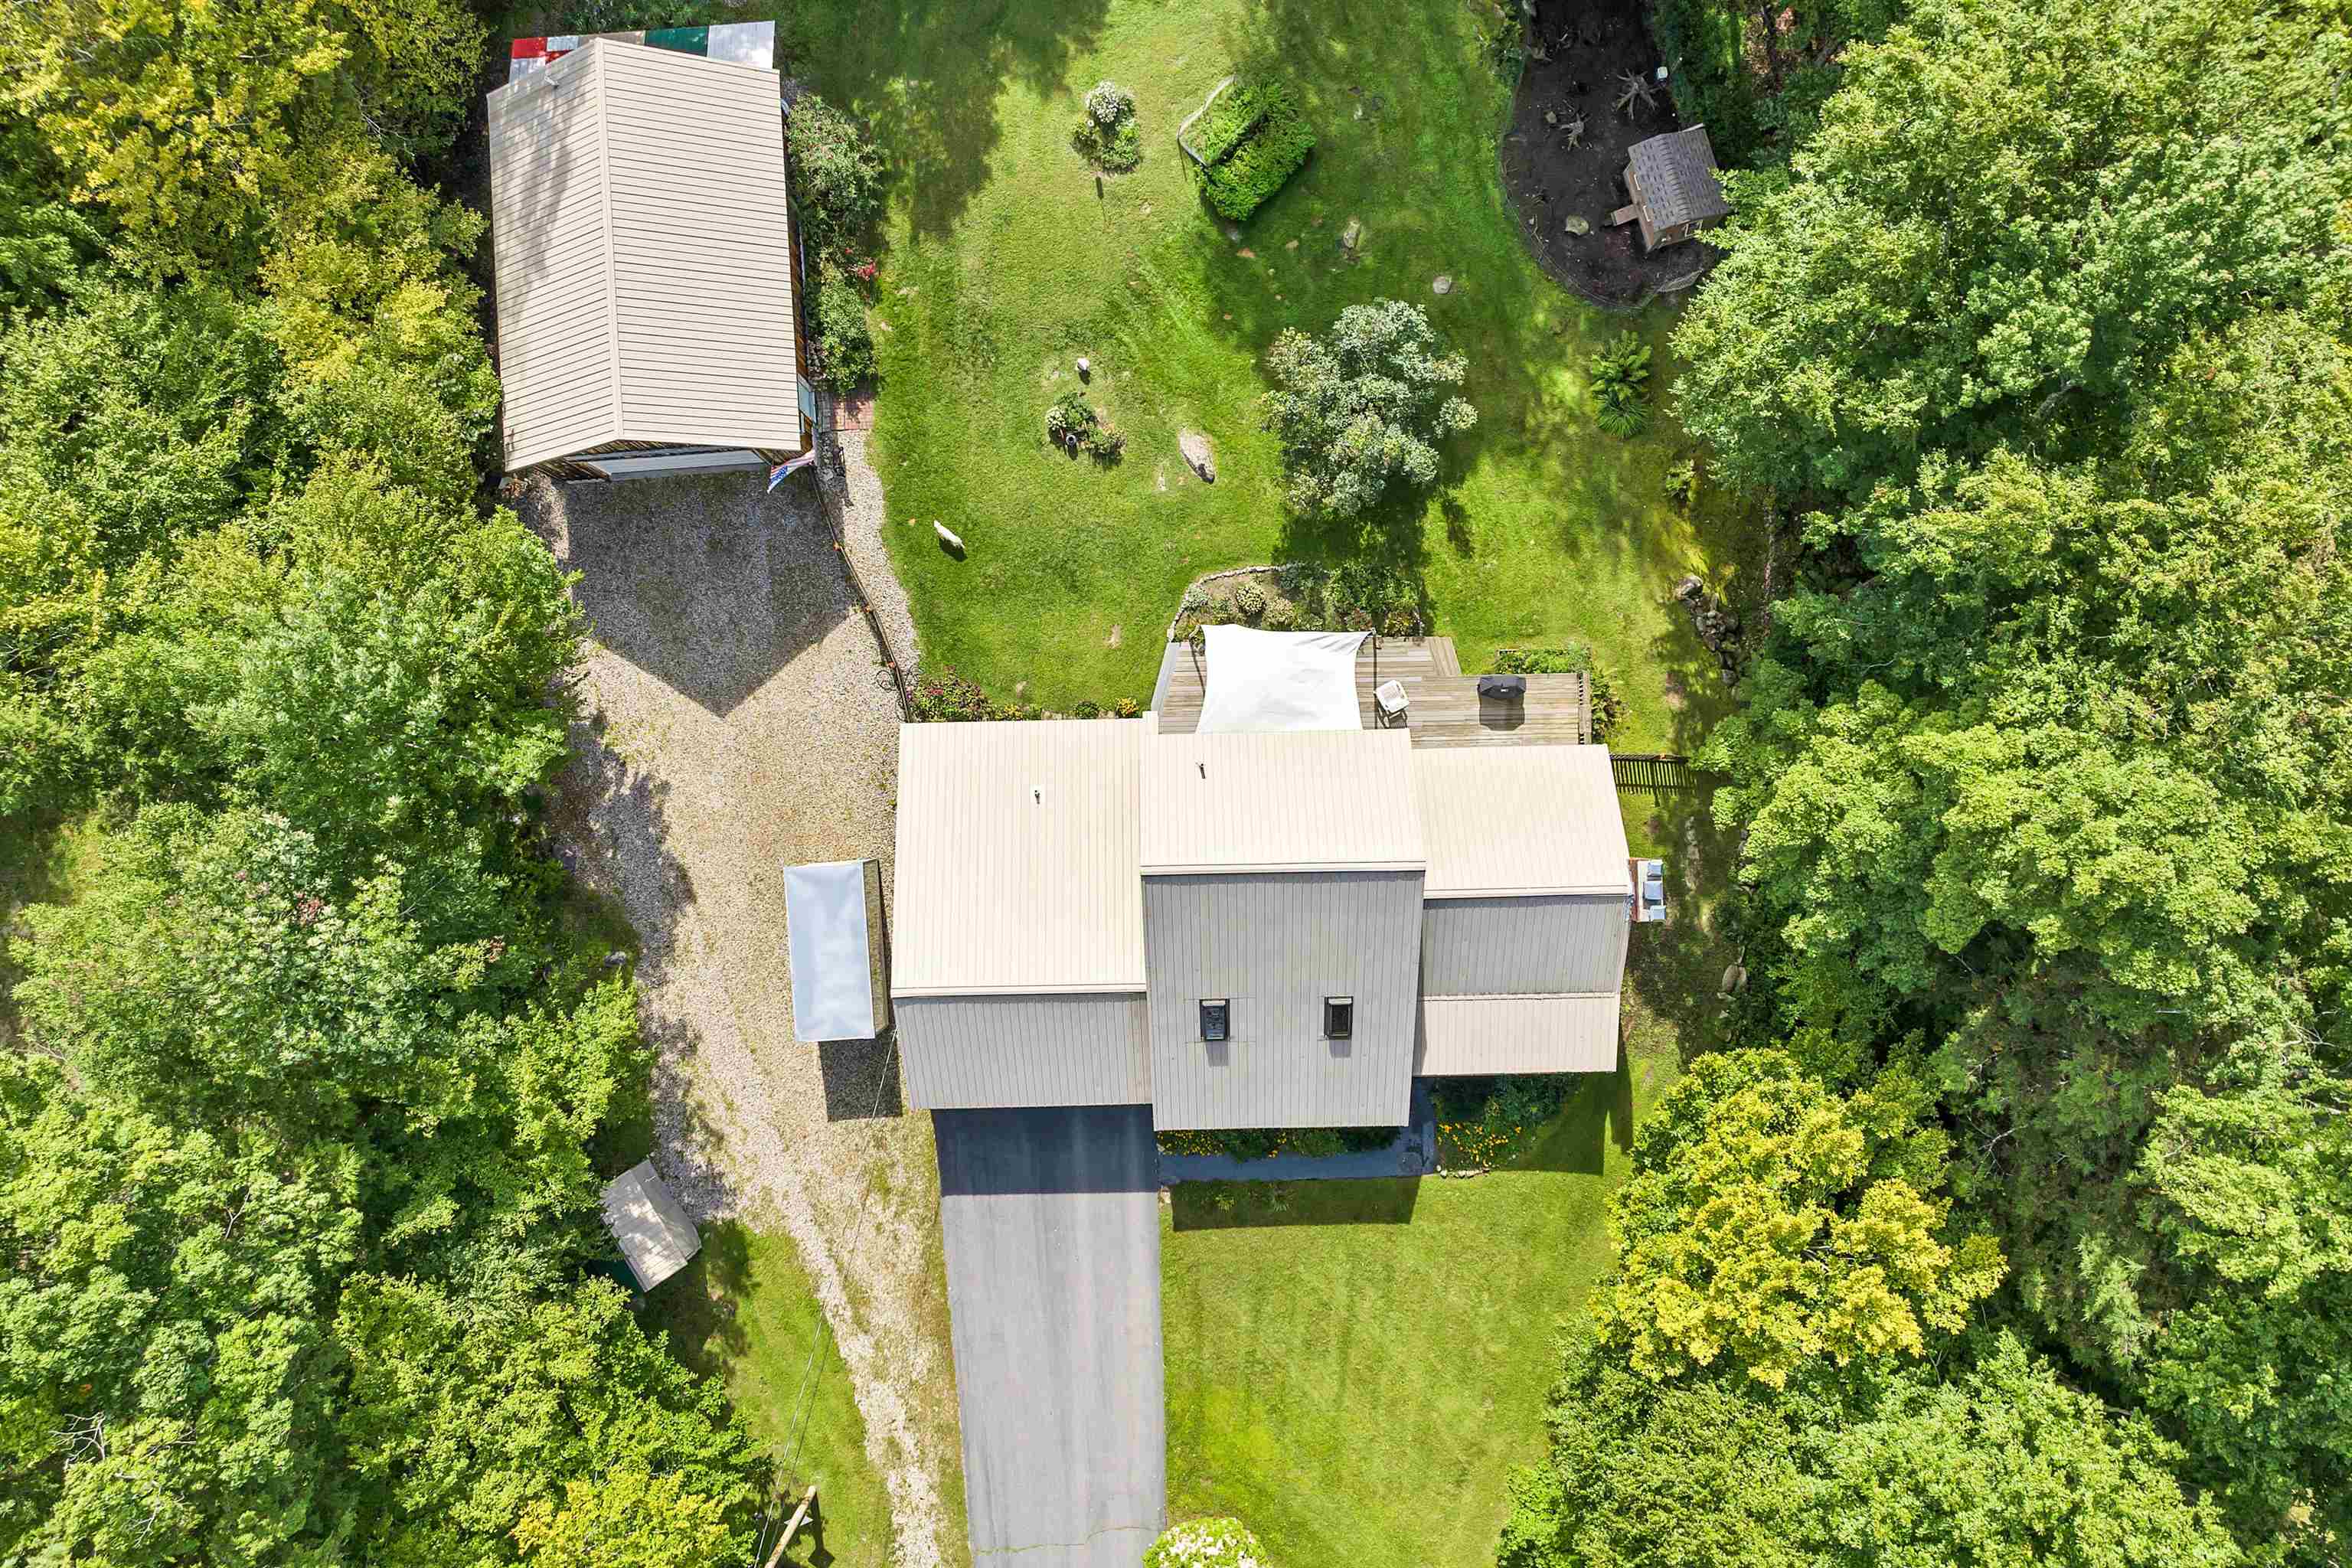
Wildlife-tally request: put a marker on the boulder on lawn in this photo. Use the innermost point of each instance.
(1441, 284)
(1351, 233)
(1197, 453)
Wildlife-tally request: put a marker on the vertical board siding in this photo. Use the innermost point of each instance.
(1277, 943)
(996, 1052)
(1478, 1034)
(1541, 946)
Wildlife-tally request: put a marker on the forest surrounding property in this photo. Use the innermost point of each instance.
(2012, 1221)
(2015, 1230)
(310, 1045)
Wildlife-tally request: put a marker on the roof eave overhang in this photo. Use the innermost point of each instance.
(1135, 987)
(1282, 867)
(1590, 890)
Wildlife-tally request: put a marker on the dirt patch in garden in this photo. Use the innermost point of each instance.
(1578, 57)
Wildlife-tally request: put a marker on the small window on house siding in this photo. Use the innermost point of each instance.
(1338, 1017)
(1216, 1018)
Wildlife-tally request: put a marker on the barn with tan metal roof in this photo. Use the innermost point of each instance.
(646, 274)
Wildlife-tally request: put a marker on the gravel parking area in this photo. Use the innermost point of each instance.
(737, 719)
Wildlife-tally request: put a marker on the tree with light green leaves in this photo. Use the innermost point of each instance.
(167, 1377)
(491, 1429)
(1361, 406)
(1774, 1225)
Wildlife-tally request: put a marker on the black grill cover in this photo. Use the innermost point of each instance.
(1506, 688)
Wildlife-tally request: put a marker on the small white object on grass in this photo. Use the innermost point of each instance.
(947, 535)
(1083, 368)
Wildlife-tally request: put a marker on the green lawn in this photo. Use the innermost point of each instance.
(744, 1310)
(1355, 1372)
(1006, 258)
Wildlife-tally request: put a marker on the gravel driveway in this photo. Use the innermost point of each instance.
(737, 719)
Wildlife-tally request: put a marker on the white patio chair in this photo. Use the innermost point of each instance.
(1389, 697)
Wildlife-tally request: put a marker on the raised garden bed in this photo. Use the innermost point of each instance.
(1245, 143)
(1357, 596)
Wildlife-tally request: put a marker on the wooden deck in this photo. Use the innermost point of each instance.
(1443, 705)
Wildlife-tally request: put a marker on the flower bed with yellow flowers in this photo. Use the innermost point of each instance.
(1486, 1122)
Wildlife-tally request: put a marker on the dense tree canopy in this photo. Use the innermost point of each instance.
(2045, 765)
(1773, 1224)
(304, 1078)
(1996, 1462)
(2009, 215)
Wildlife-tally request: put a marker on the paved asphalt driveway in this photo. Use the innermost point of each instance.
(1052, 1224)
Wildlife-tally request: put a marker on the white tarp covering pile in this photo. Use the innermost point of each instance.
(655, 1234)
(1258, 681)
(832, 971)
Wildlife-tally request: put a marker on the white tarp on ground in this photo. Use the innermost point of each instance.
(1258, 681)
(832, 973)
(655, 1234)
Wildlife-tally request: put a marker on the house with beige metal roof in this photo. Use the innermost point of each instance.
(1258, 929)
(646, 274)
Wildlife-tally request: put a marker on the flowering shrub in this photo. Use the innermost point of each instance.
(1072, 419)
(944, 697)
(1483, 1122)
(1607, 705)
(1207, 1544)
(1108, 103)
(1263, 1142)
(1106, 136)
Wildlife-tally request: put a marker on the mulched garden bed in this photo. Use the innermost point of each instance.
(1549, 181)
